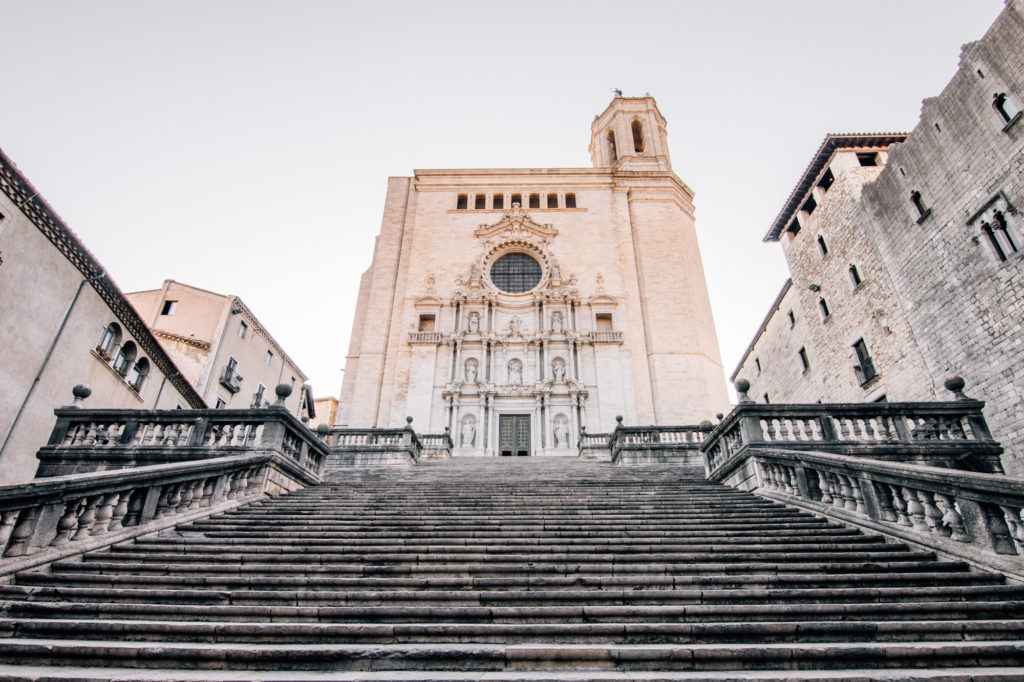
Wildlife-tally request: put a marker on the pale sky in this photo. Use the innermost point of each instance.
(244, 147)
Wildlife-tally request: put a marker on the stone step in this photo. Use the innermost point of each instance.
(696, 613)
(496, 633)
(484, 657)
(953, 575)
(500, 597)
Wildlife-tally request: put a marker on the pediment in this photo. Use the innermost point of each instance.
(516, 222)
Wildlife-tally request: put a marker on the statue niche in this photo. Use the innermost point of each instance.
(557, 323)
(558, 370)
(470, 370)
(561, 431)
(467, 434)
(473, 326)
(515, 372)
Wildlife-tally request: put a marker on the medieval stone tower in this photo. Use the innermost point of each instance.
(515, 306)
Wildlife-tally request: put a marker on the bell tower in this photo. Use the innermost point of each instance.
(630, 135)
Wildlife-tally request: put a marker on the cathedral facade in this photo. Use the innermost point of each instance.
(515, 307)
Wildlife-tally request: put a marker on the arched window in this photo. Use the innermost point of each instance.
(1004, 106)
(638, 135)
(137, 375)
(462, 202)
(125, 357)
(481, 202)
(613, 155)
(552, 201)
(110, 340)
(534, 201)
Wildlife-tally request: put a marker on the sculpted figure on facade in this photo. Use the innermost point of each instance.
(468, 435)
(558, 370)
(474, 323)
(470, 371)
(561, 432)
(557, 324)
(515, 372)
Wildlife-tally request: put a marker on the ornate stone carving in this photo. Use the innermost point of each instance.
(470, 370)
(473, 326)
(557, 322)
(561, 431)
(467, 434)
(558, 370)
(515, 371)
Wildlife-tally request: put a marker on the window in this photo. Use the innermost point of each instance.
(534, 201)
(481, 202)
(498, 201)
(809, 205)
(125, 357)
(138, 374)
(855, 276)
(766, 401)
(515, 273)
(757, 363)
(270, 358)
(552, 201)
(865, 367)
(462, 203)
(426, 323)
(794, 228)
(638, 136)
(613, 154)
(109, 340)
(230, 369)
(517, 199)
(604, 322)
(257, 398)
(804, 362)
(1002, 104)
(169, 307)
(822, 246)
(867, 158)
(570, 201)
(221, 403)
(826, 180)
(999, 236)
(823, 306)
(243, 329)
(919, 205)
(792, 319)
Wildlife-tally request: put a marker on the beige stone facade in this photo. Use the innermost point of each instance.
(936, 233)
(224, 351)
(75, 327)
(524, 304)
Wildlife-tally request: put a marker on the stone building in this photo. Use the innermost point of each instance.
(515, 306)
(76, 327)
(910, 269)
(222, 349)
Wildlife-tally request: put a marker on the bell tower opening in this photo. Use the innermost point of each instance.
(630, 135)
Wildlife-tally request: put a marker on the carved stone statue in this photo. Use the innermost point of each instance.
(468, 435)
(474, 271)
(515, 372)
(470, 371)
(557, 325)
(561, 434)
(474, 323)
(558, 370)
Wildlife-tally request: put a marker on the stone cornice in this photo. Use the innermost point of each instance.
(195, 343)
(28, 200)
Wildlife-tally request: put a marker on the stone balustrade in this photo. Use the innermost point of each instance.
(436, 445)
(605, 337)
(649, 444)
(974, 516)
(431, 338)
(96, 440)
(373, 447)
(948, 434)
(64, 515)
(595, 445)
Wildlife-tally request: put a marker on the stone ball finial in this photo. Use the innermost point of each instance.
(742, 386)
(80, 393)
(618, 419)
(447, 429)
(706, 426)
(323, 429)
(283, 390)
(956, 384)
(719, 416)
(408, 420)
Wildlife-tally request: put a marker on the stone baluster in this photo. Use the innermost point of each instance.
(67, 523)
(7, 521)
(119, 514)
(951, 518)
(885, 502)
(846, 492)
(24, 527)
(162, 503)
(899, 505)
(1014, 523)
(208, 487)
(185, 498)
(824, 486)
(915, 511)
(104, 513)
(135, 507)
(932, 515)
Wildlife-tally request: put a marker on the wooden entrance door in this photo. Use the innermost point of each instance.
(514, 435)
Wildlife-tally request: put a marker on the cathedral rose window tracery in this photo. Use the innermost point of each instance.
(516, 273)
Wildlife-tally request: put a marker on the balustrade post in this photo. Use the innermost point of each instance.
(870, 497)
(24, 529)
(986, 526)
(60, 431)
(800, 481)
(198, 436)
(273, 432)
(829, 433)
(131, 427)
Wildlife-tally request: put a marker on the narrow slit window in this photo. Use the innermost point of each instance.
(823, 306)
(792, 319)
(757, 363)
(766, 401)
(919, 205)
(822, 246)
(805, 363)
(855, 276)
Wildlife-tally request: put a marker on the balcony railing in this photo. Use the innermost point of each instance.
(865, 371)
(230, 380)
(606, 337)
(425, 337)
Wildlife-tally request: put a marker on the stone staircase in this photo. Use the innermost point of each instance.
(539, 569)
